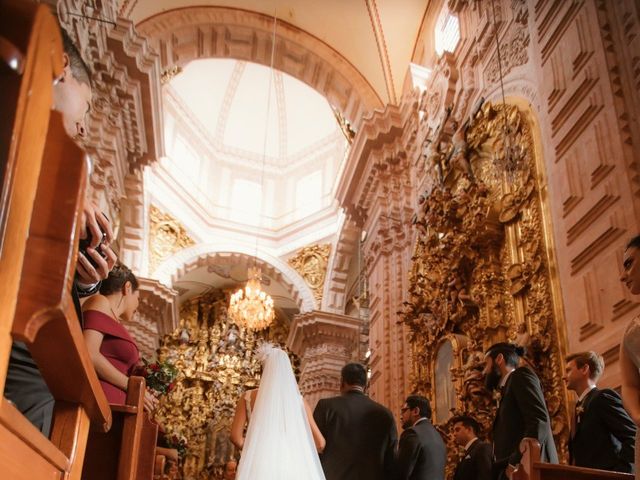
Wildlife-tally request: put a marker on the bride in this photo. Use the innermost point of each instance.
(283, 440)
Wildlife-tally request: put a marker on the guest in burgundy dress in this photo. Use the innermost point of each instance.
(113, 351)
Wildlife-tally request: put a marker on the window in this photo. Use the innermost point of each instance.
(447, 32)
(246, 202)
(309, 194)
(185, 158)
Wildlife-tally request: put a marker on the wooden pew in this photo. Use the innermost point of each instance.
(127, 451)
(43, 177)
(531, 468)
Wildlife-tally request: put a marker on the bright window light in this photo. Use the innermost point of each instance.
(246, 201)
(447, 32)
(309, 194)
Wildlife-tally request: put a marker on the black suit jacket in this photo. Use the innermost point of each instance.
(605, 435)
(24, 385)
(421, 453)
(522, 413)
(476, 463)
(361, 437)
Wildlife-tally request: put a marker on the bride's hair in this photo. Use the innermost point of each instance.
(264, 350)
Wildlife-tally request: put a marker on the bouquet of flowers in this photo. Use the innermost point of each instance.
(160, 376)
(177, 441)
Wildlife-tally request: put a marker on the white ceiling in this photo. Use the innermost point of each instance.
(232, 100)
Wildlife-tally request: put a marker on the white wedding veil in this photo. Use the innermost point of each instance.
(279, 444)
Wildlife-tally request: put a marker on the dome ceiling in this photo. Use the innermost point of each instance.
(231, 101)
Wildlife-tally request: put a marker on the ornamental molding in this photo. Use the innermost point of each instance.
(186, 34)
(311, 263)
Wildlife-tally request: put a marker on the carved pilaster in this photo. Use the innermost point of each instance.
(378, 194)
(156, 315)
(325, 342)
(133, 223)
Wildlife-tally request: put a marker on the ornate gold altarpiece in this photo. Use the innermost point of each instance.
(216, 364)
(483, 269)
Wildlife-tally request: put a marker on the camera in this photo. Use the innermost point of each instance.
(86, 242)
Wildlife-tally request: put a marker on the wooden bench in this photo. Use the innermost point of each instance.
(43, 177)
(127, 451)
(531, 468)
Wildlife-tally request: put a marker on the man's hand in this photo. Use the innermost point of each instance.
(90, 275)
(93, 221)
(510, 471)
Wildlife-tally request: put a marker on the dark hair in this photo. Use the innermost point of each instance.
(591, 358)
(509, 351)
(118, 277)
(468, 422)
(420, 402)
(634, 242)
(79, 69)
(354, 374)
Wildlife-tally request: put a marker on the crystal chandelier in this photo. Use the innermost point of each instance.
(251, 307)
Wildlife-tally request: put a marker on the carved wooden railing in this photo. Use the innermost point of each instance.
(531, 468)
(127, 451)
(43, 179)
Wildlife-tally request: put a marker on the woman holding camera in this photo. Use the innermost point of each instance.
(113, 351)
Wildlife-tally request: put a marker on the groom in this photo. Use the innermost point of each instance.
(360, 433)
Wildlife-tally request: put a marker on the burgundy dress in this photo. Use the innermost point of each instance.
(117, 346)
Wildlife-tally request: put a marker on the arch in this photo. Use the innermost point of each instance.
(335, 286)
(201, 255)
(186, 34)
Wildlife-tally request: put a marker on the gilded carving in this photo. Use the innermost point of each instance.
(216, 363)
(166, 237)
(480, 272)
(311, 263)
(169, 74)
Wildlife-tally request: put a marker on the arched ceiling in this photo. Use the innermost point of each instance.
(229, 100)
(376, 36)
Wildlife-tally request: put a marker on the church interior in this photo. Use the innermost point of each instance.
(396, 183)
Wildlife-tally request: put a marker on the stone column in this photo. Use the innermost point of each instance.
(325, 342)
(157, 315)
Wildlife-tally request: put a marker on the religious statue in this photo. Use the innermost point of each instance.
(458, 158)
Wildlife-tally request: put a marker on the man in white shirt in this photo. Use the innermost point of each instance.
(421, 453)
(522, 411)
(603, 434)
(477, 460)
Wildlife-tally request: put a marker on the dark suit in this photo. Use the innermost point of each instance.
(421, 454)
(476, 463)
(522, 413)
(605, 434)
(361, 437)
(24, 385)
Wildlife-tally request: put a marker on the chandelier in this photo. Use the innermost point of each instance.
(251, 307)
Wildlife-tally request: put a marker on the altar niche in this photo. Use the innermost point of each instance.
(481, 270)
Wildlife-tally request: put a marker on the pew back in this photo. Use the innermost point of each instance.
(43, 177)
(127, 451)
(532, 469)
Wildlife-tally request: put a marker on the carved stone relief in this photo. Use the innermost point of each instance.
(166, 237)
(311, 263)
